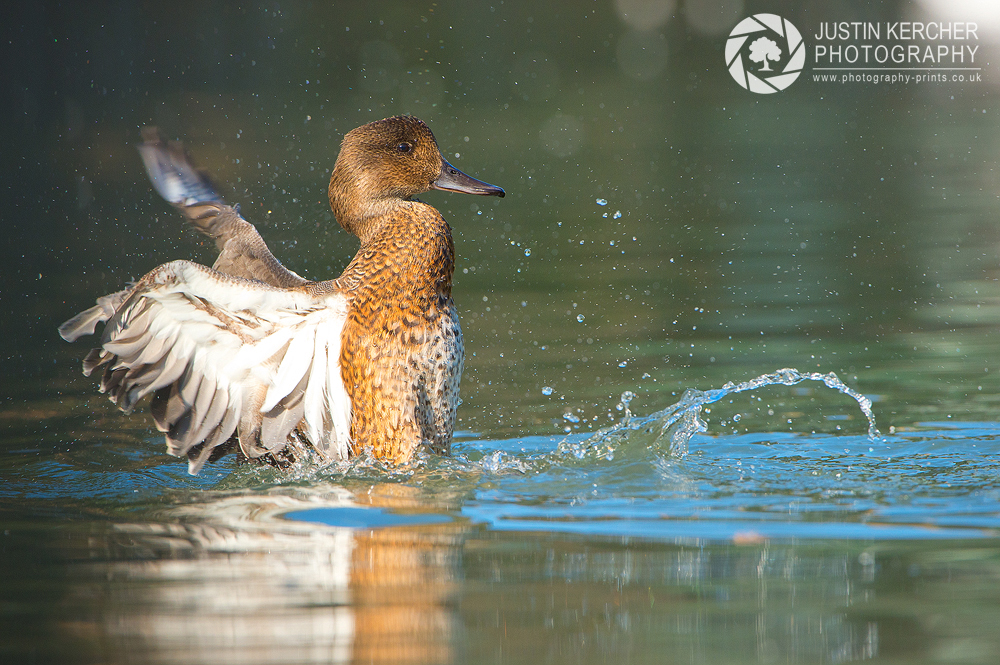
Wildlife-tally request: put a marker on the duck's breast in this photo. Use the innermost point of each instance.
(442, 362)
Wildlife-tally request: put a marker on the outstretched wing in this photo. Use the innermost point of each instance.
(242, 252)
(223, 354)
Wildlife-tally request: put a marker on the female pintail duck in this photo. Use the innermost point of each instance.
(370, 360)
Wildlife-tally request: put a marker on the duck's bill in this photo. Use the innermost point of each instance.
(453, 180)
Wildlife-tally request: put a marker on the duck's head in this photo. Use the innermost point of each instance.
(388, 160)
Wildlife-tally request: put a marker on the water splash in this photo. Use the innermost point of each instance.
(672, 428)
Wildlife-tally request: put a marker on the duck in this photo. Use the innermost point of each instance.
(247, 355)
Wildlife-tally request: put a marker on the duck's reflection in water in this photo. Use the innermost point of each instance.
(245, 578)
(232, 580)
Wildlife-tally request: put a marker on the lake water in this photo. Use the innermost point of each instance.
(663, 230)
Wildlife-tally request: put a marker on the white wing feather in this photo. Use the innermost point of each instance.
(224, 353)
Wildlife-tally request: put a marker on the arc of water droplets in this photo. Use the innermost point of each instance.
(680, 421)
(790, 377)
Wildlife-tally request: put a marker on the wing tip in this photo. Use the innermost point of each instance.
(172, 171)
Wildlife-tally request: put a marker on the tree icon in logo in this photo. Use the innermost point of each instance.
(764, 38)
(764, 49)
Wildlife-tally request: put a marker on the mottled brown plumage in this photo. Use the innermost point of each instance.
(370, 360)
(402, 356)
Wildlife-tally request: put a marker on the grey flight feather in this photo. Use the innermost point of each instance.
(242, 252)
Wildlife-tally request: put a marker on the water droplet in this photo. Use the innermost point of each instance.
(580, 317)
(626, 397)
(527, 252)
(547, 390)
(623, 363)
(736, 418)
(602, 202)
(570, 417)
(618, 213)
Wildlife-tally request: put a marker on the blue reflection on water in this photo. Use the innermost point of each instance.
(930, 484)
(363, 518)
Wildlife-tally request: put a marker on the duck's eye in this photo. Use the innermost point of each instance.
(404, 147)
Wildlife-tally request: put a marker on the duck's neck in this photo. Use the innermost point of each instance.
(355, 209)
(407, 252)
